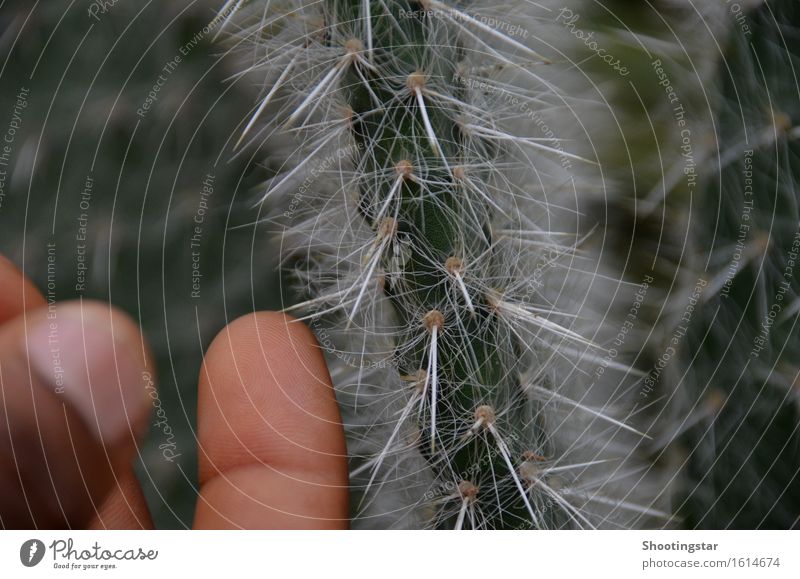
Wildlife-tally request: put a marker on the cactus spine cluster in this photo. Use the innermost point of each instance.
(423, 192)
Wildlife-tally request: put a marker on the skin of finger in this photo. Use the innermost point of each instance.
(124, 508)
(55, 472)
(47, 459)
(272, 451)
(17, 293)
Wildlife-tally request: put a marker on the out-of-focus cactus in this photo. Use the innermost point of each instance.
(741, 370)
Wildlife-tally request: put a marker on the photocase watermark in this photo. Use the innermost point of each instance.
(495, 23)
(522, 107)
(679, 115)
(326, 343)
(172, 65)
(546, 260)
(7, 146)
(744, 226)
(67, 556)
(626, 328)
(53, 342)
(168, 448)
(650, 381)
(740, 16)
(195, 241)
(152, 96)
(99, 8)
(315, 172)
(82, 235)
(779, 300)
(31, 552)
(568, 18)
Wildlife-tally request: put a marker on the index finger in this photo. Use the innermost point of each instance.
(272, 451)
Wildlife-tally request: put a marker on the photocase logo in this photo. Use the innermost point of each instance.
(32, 552)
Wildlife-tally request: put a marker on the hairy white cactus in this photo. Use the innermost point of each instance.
(443, 200)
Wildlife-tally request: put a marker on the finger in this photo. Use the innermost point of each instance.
(17, 293)
(73, 404)
(124, 507)
(272, 451)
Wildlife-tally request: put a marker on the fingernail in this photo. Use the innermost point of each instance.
(94, 363)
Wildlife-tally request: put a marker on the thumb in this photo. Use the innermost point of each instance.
(73, 381)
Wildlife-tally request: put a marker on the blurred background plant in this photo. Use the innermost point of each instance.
(86, 77)
(741, 364)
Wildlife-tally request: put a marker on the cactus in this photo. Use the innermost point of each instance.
(488, 228)
(429, 215)
(424, 191)
(492, 298)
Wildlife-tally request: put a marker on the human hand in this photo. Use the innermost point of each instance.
(75, 402)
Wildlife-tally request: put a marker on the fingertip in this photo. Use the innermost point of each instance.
(95, 357)
(261, 332)
(265, 391)
(266, 405)
(75, 405)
